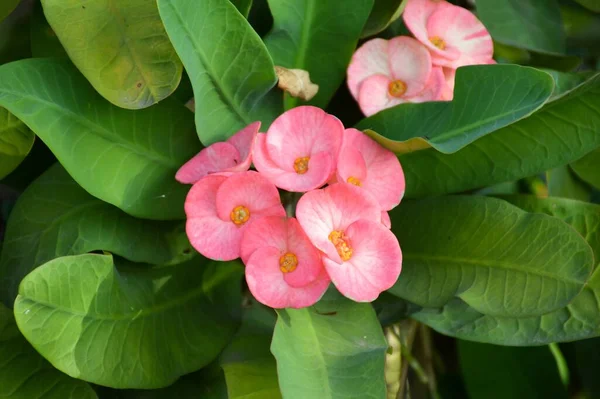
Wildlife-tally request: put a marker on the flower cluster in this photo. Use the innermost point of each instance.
(293, 250)
(385, 73)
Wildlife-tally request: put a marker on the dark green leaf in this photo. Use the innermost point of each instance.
(6, 7)
(501, 372)
(335, 349)
(588, 168)
(318, 36)
(229, 66)
(587, 354)
(503, 95)
(121, 48)
(126, 158)
(593, 5)
(24, 374)
(243, 6)
(530, 24)
(495, 257)
(44, 42)
(562, 183)
(56, 217)
(561, 132)
(142, 327)
(16, 141)
(382, 14)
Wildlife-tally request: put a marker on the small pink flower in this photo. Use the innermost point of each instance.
(220, 208)
(233, 155)
(366, 164)
(283, 268)
(453, 34)
(361, 255)
(299, 151)
(384, 73)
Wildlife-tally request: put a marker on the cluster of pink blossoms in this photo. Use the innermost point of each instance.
(339, 234)
(385, 73)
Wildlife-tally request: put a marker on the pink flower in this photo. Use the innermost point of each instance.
(233, 155)
(299, 151)
(384, 73)
(361, 256)
(220, 208)
(283, 269)
(366, 164)
(453, 35)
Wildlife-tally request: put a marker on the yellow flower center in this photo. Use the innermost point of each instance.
(438, 42)
(354, 180)
(301, 165)
(288, 263)
(240, 215)
(341, 243)
(397, 88)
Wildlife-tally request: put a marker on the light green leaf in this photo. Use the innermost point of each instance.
(383, 13)
(25, 374)
(121, 48)
(56, 217)
(126, 158)
(495, 257)
(530, 24)
(502, 95)
(501, 372)
(335, 349)
(588, 168)
(16, 141)
(561, 132)
(142, 327)
(6, 7)
(580, 319)
(229, 66)
(318, 36)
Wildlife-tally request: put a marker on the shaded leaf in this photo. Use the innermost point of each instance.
(383, 13)
(6, 7)
(335, 349)
(16, 141)
(503, 95)
(125, 158)
(593, 5)
(318, 36)
(56, 217)
(44, 42)
(25, 374)
(143, 328)
(495, 257)
(121, 48)
(243, 6)
(229, 66)
(562, 183)
(588, 168)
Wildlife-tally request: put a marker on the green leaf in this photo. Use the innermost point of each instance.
(230, 68)
(495, 257)
(530, 24)
(562, 183)
(318, 36)
(126, 158)
(56, 217)
(588, 168)
(121, 48)
(6, 7)
(335, 349)
(24, 374)
(561, 132)
(593, 5)
(243, 6)
(580, 319)
(16, 141)
(44, 42)
(503, 95)
(500, 372)
(383, 13)
(128, 328)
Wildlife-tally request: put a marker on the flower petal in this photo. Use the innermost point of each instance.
(434, 89)
(269, 231)
(375, 264)
(201, 200)
(310, 266)
(373, 95)
(243, 141)
(351, 164)
(385, 219)
(416, 16)
(370, 59)
(212, 159)
(410, 62)
(214, 238)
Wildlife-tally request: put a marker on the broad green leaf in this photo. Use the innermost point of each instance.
(588, 168)
(580, 319)
(335, 349)
(6, 7)
(562, 183)
(495, 257)
(121, 48)
(44, 42)
(16, 141)
(502, 95)
(530, 24)
(230, 67)
(132, 327)
(501, 372)
(56, 217)
(126, 158)
(561, 132)
(25, 374)
(318, 36)
(382, 14)
(593, 5)
(243, 6)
